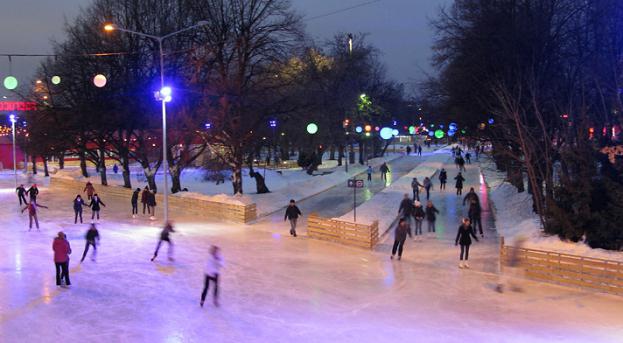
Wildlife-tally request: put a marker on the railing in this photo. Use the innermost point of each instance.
(343, 232)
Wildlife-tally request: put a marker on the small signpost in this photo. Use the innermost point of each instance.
(354, 184)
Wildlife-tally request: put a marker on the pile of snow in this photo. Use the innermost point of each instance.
(384, 205)
(514, 217)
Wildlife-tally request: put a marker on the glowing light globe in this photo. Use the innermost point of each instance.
(453, 126)
(10, 82)
(491, 121)
(439, 134)
(368, 128)
(312, 128)
(395, 132)
(451, 133)
(56, 79)
(431, 133)
(99, 80)
(411, 130)
(386, 133)
(359, 129)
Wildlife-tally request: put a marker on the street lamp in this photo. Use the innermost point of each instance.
(13, 120)
(165, 96)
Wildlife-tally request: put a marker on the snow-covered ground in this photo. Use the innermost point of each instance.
(274, 288)
(514, 217)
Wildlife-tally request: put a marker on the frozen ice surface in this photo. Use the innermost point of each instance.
(274, 289)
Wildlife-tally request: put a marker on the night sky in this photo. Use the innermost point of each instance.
(398, 28)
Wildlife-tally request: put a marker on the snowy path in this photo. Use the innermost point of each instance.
(274, 289)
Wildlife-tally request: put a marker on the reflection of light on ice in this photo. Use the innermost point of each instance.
(18, 263)
(7, 190)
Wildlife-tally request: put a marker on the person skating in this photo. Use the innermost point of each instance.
(461, 162)
(92, 238)
(213, 266)
(402, 230)
(21, 195)
(459, 183)
(443, 178)
(95, 206)
(78, 204)
(151, 204)
(62, 250)
(405, 209)
(33, 191)
(471, 195)
(468, 157)
(463, 238)
(474, 213)
(419, 215)
(115, 168)
(408, 150)
(89, 189)
(415, 186)
(431, 216)
(419, 150)
(292, 214)
(384, 170)
(32, 213)
(428, 184)
(134, 202)
(144, 196)
(369, 172)
(165, 236)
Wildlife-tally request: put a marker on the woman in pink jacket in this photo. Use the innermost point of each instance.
(61, 258)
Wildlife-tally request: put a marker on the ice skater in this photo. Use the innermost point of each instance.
(431, 216)
(213, 266)
(165, 237)
(419, 150)
(402, 230)
(21, 195)
(369, 172)
(428, 184)
(33, 191)
(92, 238)
(384, 170)
(512, 269)
(415, 186)
(151, 204)
(463, 238)
(443, 178)
(95, 207)
(459, 183)
(474, 214)
(144, 197)
(292, 214)
(134, 202)
(89, 189)
(32, 213)
(419, 215)
(471, 195)
(78, 204)
(62, 250)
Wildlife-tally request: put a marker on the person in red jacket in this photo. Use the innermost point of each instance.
(89, 189)
(62, 250)
(32, 213)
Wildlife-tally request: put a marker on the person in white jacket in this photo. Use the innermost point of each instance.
(213, 266)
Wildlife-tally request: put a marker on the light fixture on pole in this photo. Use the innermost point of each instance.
(164, 98)
(13, 120)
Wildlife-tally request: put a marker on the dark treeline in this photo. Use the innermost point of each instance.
(549, 73)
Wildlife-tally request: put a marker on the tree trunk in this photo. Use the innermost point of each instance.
(125, 164)
(340, 155)
(332, 152)
(176, 185)
(362, 151)
(102, 167)
(46, 171)
(83, 164)
(34, 165)
(351, 155)
(237, 172)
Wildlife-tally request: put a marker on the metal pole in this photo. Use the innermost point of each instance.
(346, 153)
(165, 162)
(355, 200)
(14, 156)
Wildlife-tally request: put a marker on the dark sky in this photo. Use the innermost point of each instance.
(398, 28)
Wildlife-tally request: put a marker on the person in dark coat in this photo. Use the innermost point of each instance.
(78, 204)
(431, 217)
(32, 213)
(92, 238)
(95, 206)
(463, 238)
(62, 250)
(292, 214)
(461, 162)
(165, 237)
(419, 215)
(443, 178)
(151, 204)
(428, 184)
(471, 195)
(402, 230)
(115, 169)
(384, 170)
(406, 207)
(144, 197)
(419, 150)
(134, 202)
(415, 186)
(468, 158)
(21, 195)
(474, 213)
(212, 272)
(459, 183)
(33, 191)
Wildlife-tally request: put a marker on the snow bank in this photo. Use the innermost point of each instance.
(220, 198)
(384, 205)
(514, 217)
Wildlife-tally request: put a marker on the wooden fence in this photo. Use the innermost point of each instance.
(343, 232)
(210, 210)
(570, 270)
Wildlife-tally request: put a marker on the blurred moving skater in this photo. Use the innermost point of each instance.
(32, 213)
(292, 214)
(165, 237)
(401, 236)
(92, 238)
(213, 266)
(21, 194)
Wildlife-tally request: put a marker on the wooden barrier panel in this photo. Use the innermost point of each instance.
(343, 232)
(202, 208)
(593, 273)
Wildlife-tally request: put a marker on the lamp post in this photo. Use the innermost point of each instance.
(13, 120)
(164, 96)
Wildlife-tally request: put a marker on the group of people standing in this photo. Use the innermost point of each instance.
(148, 199)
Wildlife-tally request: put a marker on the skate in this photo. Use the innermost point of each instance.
(153, 258)
(391, 257)
(134, 216)
(399, 257)
(461, 265)
(201, 303)
(152, 218)
(499, 288)
(466, 265)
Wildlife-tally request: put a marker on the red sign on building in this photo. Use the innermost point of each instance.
(17, 106)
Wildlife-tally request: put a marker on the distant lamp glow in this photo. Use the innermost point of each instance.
(56, 79)
(377, 129)
(208, 126)
(38, 82)
(272, 123)
(395, 132)
(165, 94)
(312, 128)
(482, 126)
(109, 27)
(358, 129)
(12, 118)
(10, 82)
(431, 133)
(412, 130)
(99, 80)
(451, 133)
(439, 134)
(368, 128)
(463, 131)
(491, 121)
(367, 134)
(386, 133)
(362, 96)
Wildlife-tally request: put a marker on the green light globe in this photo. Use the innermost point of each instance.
(312, 128)
(56, 79)
(439, 134)
(10, 82)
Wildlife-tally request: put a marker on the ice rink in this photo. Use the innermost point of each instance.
(274, 288)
